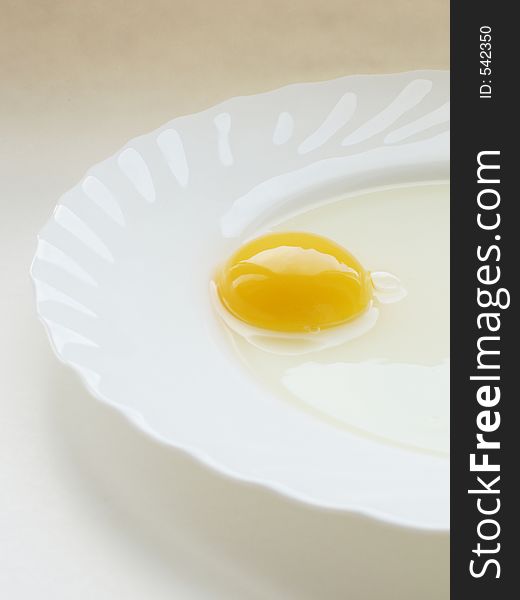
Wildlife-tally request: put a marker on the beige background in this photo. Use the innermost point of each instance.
(88, 507)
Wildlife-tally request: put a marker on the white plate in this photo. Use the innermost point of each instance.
(122, 268)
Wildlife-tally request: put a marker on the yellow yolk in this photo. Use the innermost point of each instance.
(294, 282)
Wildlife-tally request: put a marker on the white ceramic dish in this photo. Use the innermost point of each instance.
(122, 269)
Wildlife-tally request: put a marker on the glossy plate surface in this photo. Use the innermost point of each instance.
(122, 273)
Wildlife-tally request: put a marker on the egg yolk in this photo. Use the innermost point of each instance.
(294, 282)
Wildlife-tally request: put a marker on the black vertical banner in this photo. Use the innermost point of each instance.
(485, 254)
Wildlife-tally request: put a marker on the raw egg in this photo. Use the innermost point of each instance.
(294, 282)
(383, 373)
